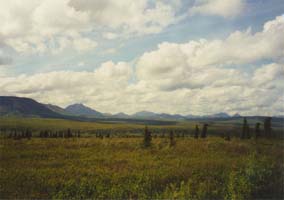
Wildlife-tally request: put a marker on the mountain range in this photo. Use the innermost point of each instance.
(25, 107)
(82, 110)
(10, 105)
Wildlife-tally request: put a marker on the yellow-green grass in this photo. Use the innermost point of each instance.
(120, 168)
(45, 123)
(63, 124)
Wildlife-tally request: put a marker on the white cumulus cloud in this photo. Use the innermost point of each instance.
(53, 26)
(197, 77)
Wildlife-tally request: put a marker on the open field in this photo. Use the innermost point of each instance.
(55, 124)
(119, 167)
(216, 127)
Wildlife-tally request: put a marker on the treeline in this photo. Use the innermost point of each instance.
(60, 134)
(246, 133)
(256, 132)
(200, 131)
(28, 133)
(19, 133)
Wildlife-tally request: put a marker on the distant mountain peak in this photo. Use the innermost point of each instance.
(76, 104)
(11, 105)
(121, 115)
(219, 115)
(81, 109)
(144, 114)
(56, 109)
(144, 111)
(237, 115)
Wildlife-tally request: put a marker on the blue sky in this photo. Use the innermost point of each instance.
(142, 48)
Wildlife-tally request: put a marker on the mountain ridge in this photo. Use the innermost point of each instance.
(11, 105)
(81, 109)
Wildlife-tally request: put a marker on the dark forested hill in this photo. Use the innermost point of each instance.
(24, 107)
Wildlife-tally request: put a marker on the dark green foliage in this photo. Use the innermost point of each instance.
(45, 134)
(267, 127)
(245, 132)
(172, 140)
(28, 134)
(15, 135)
(23, 134)
(69, 133)
(248, 132)
(196, 133)
(257, 130)
(204, 131)
(147, 138)
(244, 129)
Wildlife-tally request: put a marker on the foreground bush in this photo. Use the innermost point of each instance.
(118, 168)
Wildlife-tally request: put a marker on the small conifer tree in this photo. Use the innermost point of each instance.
(204, 131)
(267, 127)
(68, 132)
(257, 130)
(172, 141)
(196, 134)
(245, 128)
(247, 132)
(147, 138)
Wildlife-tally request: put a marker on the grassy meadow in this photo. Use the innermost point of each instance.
(118, 167)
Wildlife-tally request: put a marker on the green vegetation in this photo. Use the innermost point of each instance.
(61, 124)
(120, 168)
(147, 138)
(216, 127)
(113, 166)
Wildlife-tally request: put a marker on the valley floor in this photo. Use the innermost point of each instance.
(120, 168)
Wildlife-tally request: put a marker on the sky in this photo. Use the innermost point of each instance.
(167, 56)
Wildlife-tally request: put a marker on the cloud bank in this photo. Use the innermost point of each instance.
(54, 26)
(197, 77)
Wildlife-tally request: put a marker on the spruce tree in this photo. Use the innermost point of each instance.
(204, 131)
(196, 134)
(267, 127)
(244, 131)
(147, 138)
(257, 130)
(172, 141)
(68, 132)
(247, 132)
(28, 134)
